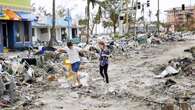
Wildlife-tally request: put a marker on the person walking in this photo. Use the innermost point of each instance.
(103, 58)
(73, 54)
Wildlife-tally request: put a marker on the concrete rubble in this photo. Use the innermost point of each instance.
(181, 66)
(19, 80)
(152, 76)
(23, 75)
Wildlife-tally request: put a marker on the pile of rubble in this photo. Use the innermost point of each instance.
(28, 73)
(184, 66)
(21, 76)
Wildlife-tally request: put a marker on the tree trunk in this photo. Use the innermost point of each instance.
(92, 29)
(53, 31)
(88, 19)
(114, 27)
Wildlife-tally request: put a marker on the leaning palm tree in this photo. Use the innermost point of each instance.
(88, 15)
(53, 32)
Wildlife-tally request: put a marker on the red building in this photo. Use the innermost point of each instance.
(181, 19)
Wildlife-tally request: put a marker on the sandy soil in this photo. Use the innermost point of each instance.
(132, 83)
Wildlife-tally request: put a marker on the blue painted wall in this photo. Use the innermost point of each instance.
(47, 21)
(1, 46)
(12, 26)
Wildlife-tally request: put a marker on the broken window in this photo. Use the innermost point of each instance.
(63, 33)
(44, 30)
(19, 32)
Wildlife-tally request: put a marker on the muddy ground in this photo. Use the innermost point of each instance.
(132, 83)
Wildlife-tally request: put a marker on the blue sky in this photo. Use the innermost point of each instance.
(78, 6)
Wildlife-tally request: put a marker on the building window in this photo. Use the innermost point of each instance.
(19, 32)
(44, 30)
(26, 31)
(74, 32)
(64, 34)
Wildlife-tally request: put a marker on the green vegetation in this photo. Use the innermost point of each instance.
(16, 3)
(83, 22)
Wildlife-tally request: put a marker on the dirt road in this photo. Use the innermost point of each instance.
(132, 83)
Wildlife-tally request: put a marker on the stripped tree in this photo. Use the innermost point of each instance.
(53, 32)
(89, 2)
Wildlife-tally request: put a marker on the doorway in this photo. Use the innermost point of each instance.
(5, 35)
(74, 32)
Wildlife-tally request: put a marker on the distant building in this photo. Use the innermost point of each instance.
(15, 24)
(181, 19)
(41, 29)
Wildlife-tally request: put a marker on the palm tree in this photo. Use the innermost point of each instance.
(88, 15)
(114, 18)
(53, 32)
(97, 19)
(111, 6)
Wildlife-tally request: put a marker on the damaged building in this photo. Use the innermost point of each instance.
(15, 24)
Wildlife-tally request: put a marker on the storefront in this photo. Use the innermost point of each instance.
(15, 24)
(42, 29)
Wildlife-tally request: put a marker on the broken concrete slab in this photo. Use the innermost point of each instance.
(168, 71)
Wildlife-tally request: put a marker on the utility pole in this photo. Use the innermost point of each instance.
(53, 32)
(158, 18)
(132, 3)
(127, 16)
(135, 29)
(143, 12)
(175, 23)
(69, 25)
(150, 14)
(88, 20)
(121, 18)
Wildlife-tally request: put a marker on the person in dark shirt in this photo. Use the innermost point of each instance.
(104, 55)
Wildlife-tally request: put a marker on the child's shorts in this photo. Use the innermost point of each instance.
(76, 66)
